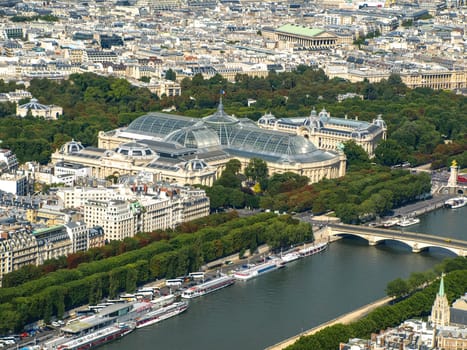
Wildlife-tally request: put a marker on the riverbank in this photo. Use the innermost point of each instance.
(344, 319)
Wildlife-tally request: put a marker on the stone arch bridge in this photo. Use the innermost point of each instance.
(416, 241)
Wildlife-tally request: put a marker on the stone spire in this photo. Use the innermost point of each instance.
(440, 312)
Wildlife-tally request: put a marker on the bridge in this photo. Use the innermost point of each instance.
(416, 241)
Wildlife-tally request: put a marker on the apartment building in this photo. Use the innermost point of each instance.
(123, 211)
(20, 246)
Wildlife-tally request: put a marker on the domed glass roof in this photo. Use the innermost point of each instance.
(194, 137)
(71, 147)
(134, 149)
(220, 117)
(158, 124)
(270, 142)
(195, 164)
(34, 105)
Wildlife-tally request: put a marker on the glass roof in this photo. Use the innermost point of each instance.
(222, 131)
(159, 124)
(198, 137)
(270, 142)
(220, 117)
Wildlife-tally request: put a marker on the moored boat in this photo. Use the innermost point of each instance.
(161, 314)
(98, 337)
(291, 256)
(457, 202)
(258, 269)
(313, 249)
(408, 221)
(208, 287)
(391, 222)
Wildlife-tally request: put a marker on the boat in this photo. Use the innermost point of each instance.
(161, 314)
(252, 271)
(163, 301)
(391, 222)
(313, 249)
(208, 287)
(408, 221)
(291, 256)
(457, 202)
(98, 337)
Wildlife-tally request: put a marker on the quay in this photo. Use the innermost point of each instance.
(344, 319)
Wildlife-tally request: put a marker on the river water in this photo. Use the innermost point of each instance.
(263, 311)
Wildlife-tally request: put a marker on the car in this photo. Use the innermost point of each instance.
(56, 324)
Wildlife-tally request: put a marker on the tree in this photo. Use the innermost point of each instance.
(356, 155)
(170, 75)
(257, 170)
(389, 152)
(233, 165)
(397, 288)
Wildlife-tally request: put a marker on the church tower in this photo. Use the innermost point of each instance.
(440, 312)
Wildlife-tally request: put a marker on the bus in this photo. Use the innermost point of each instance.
(176, 282)
(196, 275)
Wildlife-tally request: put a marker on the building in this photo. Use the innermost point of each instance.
(20, 246)
(329, 133)
(440, 312)
(183, 150)
(123, 211)
(17, 184)
(52, 242)
(307, 38)
(39, 110)
(8, 160)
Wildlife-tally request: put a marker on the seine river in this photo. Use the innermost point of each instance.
(308, 292)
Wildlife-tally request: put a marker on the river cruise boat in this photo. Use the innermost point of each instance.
(455, 203)
(313, 249)
(256, 270)
(208, 287)
(98, 337)
(290, 256)
(408, 221)
(163, 301)
(161, 314)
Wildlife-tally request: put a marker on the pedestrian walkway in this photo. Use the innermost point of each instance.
(344, 319)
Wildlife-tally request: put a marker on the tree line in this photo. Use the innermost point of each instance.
(52, 294)
(364, 193)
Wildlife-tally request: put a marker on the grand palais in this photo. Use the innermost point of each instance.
(186, 150)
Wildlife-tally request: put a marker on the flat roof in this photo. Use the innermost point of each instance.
(299, 30)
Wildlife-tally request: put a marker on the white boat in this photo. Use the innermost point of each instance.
(457, 202)
(291, 256)
(391, 222)
(208, 287)
(408, 221)
(258, 269)
(313, 249)
(98, 337)
(163, 301)
(161, 314)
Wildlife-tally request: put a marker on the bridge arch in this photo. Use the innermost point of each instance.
(416, 242)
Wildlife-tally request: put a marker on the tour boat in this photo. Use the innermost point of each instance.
(98, 337)
(208, 287)
(408, 221)
(313, 249)
(256, 270)
(161, 314)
